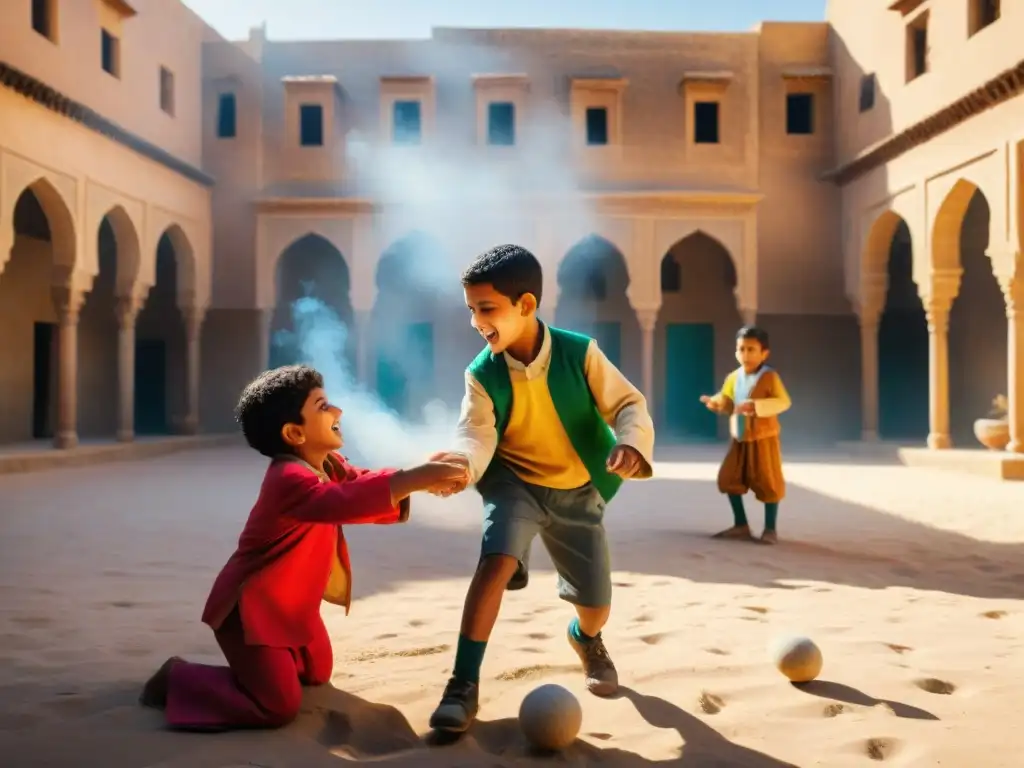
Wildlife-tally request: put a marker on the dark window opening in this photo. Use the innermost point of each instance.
(671, 275)
(799, 113)
(705, 122)
(167, 90)
(407, 125)
(226, 116)
(917, 47)
(501, 123)
(597, 126)
(110, 53)
(982, 14)
(42, 18)
(311, 125)
(867, 92)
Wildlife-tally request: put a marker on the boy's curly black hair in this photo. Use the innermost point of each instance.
(271, 400)
(511, 269)
(752, 332)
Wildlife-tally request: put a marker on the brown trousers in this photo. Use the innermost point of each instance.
(754, 465)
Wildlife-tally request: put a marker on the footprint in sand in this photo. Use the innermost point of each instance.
(880, 749)
(599, 736)
(934, 685)
(622, 584)
(412, 652)
(535, 671)
(897, 648)
(643, 618)
(652, 639)
(755, 608)
(833, 710)
(539, 636)
(716, 651)
(386, 636)
(993, 614)
(417, 623)
(709, 703)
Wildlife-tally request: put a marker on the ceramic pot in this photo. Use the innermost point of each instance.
(993, 433)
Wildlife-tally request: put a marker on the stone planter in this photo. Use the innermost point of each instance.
(993, 433)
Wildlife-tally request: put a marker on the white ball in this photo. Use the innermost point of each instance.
(550, 717)
(798, 658)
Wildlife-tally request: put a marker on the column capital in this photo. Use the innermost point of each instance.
(647, 317)
(128, 308)
(942, 285)
(68, 301)
(1013, 293)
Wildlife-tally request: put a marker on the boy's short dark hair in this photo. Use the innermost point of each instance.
(271, 400)
(511, 269)
(754, 333)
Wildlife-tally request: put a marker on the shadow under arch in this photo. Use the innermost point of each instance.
(42, 252)
(978, 358)
(902, 332)
(694, 345)
(592, 280)
(310, 267)
(118, 261)
(420, 333)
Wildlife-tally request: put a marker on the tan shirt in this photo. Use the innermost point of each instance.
(535, 445)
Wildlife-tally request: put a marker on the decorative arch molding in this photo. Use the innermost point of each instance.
(731, 233)
(275, 233)
(191, 252)
(128, 220)
(57, 194)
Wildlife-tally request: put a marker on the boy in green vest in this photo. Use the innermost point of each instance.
(549, 429)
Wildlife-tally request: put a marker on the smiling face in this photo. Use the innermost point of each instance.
(495, 317)
(320, 430)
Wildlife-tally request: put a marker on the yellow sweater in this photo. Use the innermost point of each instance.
(535, 445)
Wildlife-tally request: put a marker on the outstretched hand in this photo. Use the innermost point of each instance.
(625, 461)
(710, 402)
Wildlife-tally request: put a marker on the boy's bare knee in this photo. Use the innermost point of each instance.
(497, 568)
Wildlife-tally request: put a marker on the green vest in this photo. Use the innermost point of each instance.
(589, 434)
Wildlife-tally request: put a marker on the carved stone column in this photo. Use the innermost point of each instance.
(648, 320)
(193, 317)
(943, 287)
(128, 308)
(68, 301)
(1013, 290)
(870, 305)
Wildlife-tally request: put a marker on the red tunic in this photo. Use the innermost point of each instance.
(292, 552)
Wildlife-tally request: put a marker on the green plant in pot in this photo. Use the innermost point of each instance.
(994, 431)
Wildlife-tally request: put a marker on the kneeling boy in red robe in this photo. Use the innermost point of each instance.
(264, 607)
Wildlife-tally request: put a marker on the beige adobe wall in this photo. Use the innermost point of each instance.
(958, 193)
(161, 34)
(81, 177)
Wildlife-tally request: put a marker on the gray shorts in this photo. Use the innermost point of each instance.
(570, 524)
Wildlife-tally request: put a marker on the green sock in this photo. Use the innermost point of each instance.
(469, 657)
(738, 513)
(577, 632)
(771, 514)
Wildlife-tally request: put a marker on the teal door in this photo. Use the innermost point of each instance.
(403, 377)
(690, 373)
(609, 338)
(903, 375)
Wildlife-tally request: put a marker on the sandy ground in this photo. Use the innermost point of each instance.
(910, 580)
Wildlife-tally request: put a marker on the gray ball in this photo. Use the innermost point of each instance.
(550, 717)
(798, 658)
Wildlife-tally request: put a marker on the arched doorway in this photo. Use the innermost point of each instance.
(421, 337)
(117, 245)
(44, 240)
(311, 267)
(695, 340)
(977, 327)
(902, 346)
(592, 282)
(161, 342)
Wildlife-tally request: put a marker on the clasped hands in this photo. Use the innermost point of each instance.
(624, 461)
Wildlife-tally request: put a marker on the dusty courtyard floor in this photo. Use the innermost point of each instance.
(910, 580)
